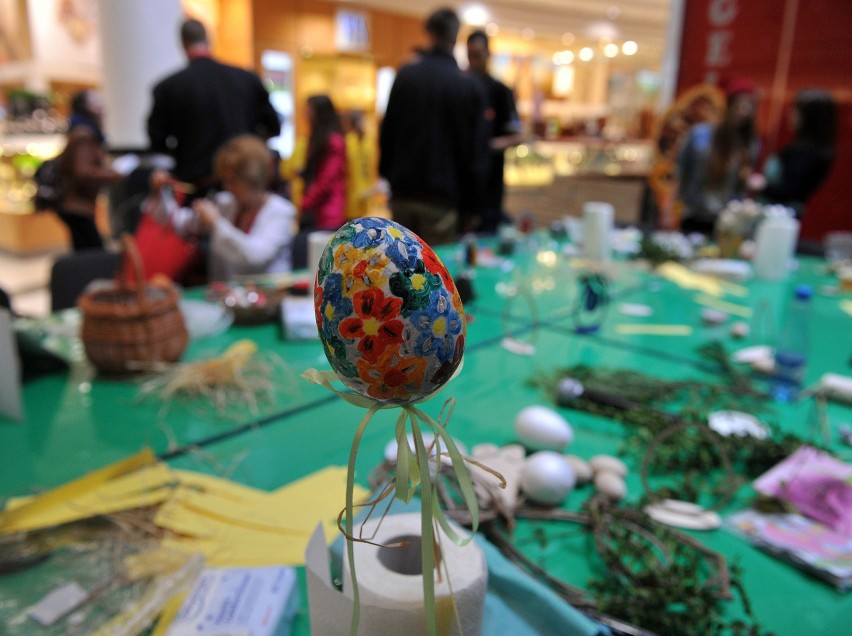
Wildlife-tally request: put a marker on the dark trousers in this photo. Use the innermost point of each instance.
(435, 224)
(84, 232)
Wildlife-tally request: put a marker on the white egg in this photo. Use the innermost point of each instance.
(547, 478)
(610, 484)
(608, 462)
(542, 428)
(581, 468)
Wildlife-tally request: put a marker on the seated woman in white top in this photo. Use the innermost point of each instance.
(251, 230)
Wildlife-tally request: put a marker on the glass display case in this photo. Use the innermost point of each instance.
(554, 178)
(22, 230)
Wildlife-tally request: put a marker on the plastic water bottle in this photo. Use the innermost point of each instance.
(791, 350)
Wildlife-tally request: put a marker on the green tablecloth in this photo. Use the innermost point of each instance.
(75, 423)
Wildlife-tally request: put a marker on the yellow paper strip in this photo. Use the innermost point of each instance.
(728, 308)
(687, 279)
(846, 305)
(682, 277)
(654, 330)
(14, 520)
(216, 485)
(167, 616)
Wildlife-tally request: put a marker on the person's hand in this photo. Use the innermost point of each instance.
(755, 182)
(160, 179)
(207, 214)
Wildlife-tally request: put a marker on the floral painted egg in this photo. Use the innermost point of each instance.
(389, 317)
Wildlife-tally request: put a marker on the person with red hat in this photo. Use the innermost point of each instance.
(715, 160)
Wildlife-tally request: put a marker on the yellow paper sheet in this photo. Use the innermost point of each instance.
(654, 330)
(264, 529)
(846, 305)
(212, 484)
(127, 484)
(229, 523)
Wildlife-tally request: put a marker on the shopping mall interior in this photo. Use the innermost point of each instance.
(592, 81)
(594, 420)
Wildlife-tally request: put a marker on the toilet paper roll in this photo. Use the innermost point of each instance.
(316, 244)
(597, 227)
(775, 244)
(390, 582)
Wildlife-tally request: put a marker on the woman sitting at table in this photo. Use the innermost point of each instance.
(250, 229)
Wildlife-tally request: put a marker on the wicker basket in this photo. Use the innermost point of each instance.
(132, 323)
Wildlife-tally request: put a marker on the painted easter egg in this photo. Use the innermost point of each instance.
(389, 317)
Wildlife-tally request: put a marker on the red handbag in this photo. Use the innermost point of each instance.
(164, 252)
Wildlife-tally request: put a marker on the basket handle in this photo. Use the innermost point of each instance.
(131, 253)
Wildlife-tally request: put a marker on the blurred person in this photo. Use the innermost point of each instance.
(84, 166)
(433, 139)
(791, 176)
(250, 230)
(323, 203)
(360, 165)
(198, 108)
(703, 103)
(504, 129)
(715, 160)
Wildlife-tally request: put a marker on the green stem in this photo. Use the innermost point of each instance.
(427, 545)
(350, 545)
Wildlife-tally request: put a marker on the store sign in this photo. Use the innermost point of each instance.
(720, 18)
(727, 38)
(353, 32)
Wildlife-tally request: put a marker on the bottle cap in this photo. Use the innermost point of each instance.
(803, 292)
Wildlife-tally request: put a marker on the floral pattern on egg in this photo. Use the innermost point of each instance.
(388, 313)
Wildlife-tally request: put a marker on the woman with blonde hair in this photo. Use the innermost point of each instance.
(250, 229)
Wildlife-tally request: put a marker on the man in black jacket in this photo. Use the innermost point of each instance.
(433, 139)
(198, 108)
(504, 129)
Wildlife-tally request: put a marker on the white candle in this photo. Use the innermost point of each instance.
(597, 226)
(775, 245)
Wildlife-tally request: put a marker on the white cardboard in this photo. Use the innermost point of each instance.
(235, 601)
(10, 369)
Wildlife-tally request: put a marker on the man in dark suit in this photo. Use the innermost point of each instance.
(433, 139)
(198, 108)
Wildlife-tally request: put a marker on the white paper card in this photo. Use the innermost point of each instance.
(57, 604)
(299, 318)
(235, 602)
(10, 377)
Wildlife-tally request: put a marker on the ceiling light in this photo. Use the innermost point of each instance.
(598, 30)
(568, 38)
(613, 12)
(611, 50)
(586, 54)
(629, 48)
(528, 33)
(563, 57)
(475, 15)
(492, 29)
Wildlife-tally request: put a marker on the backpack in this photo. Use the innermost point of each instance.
(49, 185)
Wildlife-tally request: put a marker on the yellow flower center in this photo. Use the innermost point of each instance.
(394, 232)
(329, 311)
(439, 327)
(417, 281)
(371, 326)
